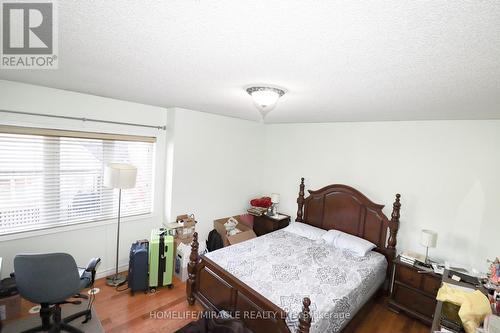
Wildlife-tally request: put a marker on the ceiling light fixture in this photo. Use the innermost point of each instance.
(265, 98)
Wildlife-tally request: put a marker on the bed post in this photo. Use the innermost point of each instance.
(394, 227)
(392, 241)
(305, 316)
(300, 201)
(193, 260)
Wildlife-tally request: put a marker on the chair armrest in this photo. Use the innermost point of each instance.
(93, 264)
(92, 267)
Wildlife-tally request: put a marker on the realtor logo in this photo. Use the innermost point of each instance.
(29, 39)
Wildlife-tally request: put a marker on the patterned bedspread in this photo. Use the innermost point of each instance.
(285, 268)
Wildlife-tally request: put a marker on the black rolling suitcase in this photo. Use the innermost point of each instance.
(138, 267)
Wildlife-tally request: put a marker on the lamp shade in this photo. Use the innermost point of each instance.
(265, 98)
(275, 198)
(428, 238)
(120, 175)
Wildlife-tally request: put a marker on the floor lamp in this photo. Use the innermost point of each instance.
(120, 176)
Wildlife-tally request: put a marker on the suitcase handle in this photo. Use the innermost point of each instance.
(163, 258)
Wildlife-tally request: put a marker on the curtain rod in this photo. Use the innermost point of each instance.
(84, 119)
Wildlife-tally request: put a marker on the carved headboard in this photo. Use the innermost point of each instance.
(346, 209)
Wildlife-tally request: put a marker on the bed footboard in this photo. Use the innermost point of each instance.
(218, 290)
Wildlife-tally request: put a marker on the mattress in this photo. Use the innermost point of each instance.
(285, 267)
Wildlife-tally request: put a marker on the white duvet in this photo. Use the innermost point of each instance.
(285, 268)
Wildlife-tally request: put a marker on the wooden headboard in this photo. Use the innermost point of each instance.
(344, 208)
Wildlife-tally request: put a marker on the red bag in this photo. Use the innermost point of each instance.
(264, 202)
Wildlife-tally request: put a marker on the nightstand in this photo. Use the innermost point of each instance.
(414, 293)
(265, 224)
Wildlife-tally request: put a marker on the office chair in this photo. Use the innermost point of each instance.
(49, 280)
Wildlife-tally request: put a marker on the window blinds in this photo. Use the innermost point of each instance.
(48, 180)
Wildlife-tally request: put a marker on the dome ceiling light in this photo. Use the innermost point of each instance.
(265, 98)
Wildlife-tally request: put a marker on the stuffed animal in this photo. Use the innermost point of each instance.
(230, 226)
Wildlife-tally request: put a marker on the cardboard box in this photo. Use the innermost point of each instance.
(187, 231)
(182, 230)
(245, 233)
(188, 223)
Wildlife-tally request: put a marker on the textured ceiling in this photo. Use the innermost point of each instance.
(339, 60)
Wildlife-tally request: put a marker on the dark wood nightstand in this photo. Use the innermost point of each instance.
(414, 293)
(265, 224)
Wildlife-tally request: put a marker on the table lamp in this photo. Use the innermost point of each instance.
(275, 199)
(428, 238)
(120, 176)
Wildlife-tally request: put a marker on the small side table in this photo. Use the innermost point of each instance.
(414, 292)
(265, 224)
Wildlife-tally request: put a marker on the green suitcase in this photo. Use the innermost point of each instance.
(161, 259)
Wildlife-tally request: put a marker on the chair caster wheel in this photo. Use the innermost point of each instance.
(152, 290)
(170, 286)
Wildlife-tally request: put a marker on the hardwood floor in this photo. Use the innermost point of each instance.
(382, 320)
(120, 312)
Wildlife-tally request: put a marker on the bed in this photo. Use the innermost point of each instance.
(283, 282)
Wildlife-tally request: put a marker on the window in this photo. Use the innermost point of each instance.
(52, 178)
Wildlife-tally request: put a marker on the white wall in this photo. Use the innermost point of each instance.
(97, 239)
(446, 171)
(217, 166)
(205, 164)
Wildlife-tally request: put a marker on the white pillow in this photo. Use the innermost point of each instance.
(342, 240)
(305, 230)
(331, 236)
